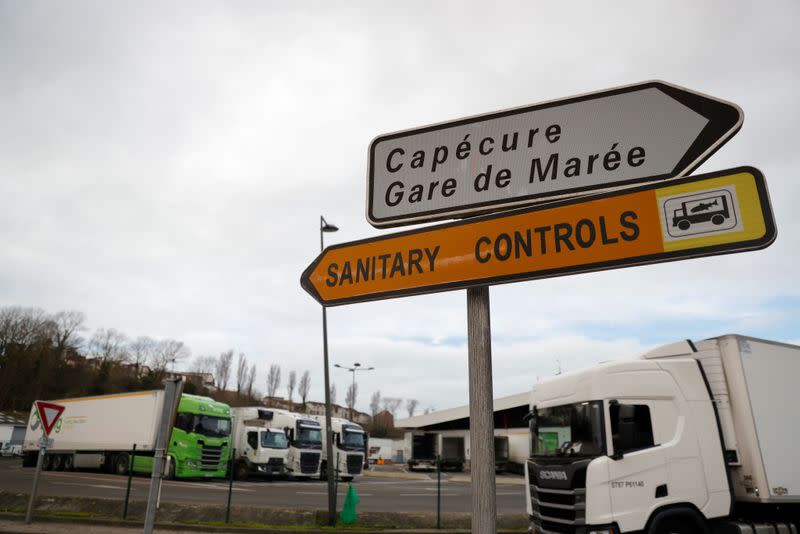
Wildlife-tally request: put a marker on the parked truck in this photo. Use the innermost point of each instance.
(423, 451)
(349, 447)
(689, 438)
(305, 442)
(100, 432)
(260, 449)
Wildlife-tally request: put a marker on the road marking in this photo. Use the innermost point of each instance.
(429, 495)
(101, 486)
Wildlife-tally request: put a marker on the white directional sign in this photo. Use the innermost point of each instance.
(644, 132)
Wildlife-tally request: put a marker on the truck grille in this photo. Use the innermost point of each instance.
(558, 510)
(275, 462)
(309, 462)
(354, 464)
(210, 458)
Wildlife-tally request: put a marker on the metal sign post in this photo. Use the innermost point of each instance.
(49, 414)
(481, 412)
(172, 393)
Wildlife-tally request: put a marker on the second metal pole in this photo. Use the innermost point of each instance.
(36, 474)
(481, 412)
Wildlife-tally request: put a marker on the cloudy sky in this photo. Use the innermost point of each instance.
(163, 167)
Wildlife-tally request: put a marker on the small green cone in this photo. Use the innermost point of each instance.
(348, 515)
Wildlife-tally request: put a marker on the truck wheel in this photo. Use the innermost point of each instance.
(241, 472)
(47, 462)
(121, 464)
(58, 462)
(678, 521)
(718, 219)
(323, 470)
(684, 224)
(69, 462)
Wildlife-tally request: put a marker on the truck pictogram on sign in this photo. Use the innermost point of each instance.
(701, 213)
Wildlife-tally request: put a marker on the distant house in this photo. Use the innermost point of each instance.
(12, 429)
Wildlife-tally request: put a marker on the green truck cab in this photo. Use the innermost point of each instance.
(200, 443)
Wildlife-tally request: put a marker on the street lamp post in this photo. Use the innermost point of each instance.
(325, 226)
(356, 367)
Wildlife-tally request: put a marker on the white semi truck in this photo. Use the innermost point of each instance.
(101, 431)
(305, 442)
(260, 449)
(688, 438)
(349, 445)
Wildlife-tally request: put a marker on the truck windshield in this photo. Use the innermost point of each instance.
(212, 426)
(274, 440)
(569, 430)
(308, 437)
(353, 441)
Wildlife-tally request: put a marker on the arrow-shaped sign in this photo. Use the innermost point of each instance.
(558, 149)
(49, 415)
(705, 215)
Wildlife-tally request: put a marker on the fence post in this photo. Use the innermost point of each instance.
(230, 486)
(438, 491)
(130, 477)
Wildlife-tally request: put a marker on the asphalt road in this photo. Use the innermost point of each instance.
(377, 494)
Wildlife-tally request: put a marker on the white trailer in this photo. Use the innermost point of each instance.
(93, 428)
(305, 442)
(689, 438)
(349, 445)
(260, 449)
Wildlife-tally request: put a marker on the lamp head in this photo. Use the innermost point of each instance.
(327, 227)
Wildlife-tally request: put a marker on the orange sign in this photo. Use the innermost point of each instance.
(710, 214)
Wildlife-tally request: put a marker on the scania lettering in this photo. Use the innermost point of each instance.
(260, 449)
(689, 438)
(349, 442)
(100, 432)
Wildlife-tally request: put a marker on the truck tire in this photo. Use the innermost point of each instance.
(678, 521)
(69, 462)
(47, 462)
(242, 471)
(58, 462)
(121, 464)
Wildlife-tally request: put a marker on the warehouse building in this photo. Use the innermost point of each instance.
(446, 433)
(12, 430)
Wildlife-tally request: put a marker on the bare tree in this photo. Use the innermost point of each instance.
(291, 385)
(350, 397)
(333, 393)
(108, 345)
(67, 325)
(251, 378)
(273, 379)
(375, 403)
(304, 387)
(223, 369)
(411, 406)
(391, 405)
(204, 364)
(141, 351)
(168, 351)
(241, 374)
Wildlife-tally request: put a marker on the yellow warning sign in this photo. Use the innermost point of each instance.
(710, 214)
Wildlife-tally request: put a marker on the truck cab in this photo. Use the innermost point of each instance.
(304, 434)
(665, 444)
(260, 449)
(349, 446)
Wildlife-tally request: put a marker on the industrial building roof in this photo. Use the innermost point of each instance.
(508, 412)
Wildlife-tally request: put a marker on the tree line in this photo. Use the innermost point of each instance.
(45, 356)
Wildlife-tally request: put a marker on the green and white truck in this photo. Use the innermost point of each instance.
(101, 431)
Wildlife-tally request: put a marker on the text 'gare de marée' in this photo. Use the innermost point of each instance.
(541, 168)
